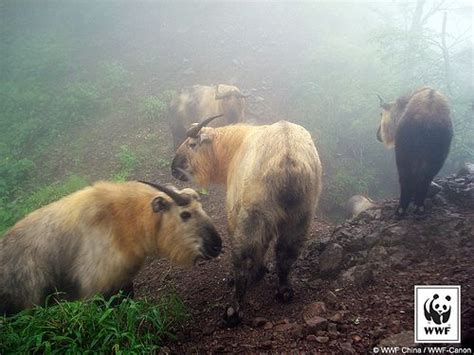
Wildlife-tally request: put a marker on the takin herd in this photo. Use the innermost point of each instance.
(96, 239)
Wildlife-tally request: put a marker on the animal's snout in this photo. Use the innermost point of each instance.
(212, 242)
(379, 134)
(177, 167)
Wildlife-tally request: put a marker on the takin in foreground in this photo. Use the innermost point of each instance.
(95, 241)
(205, 101)
(419, 127)
(273, 178)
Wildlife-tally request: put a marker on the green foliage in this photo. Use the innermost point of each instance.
(12, 211)
(115, 78)
(152, 107)
(93, 326)
(128, 163)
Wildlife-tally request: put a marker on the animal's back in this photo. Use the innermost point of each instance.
(278, 166)
(425, 130)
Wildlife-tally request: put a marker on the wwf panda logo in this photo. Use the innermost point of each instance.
(437, 309)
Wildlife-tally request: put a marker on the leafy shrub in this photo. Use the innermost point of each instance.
(93, 326)
(128, 163)
(152, 107)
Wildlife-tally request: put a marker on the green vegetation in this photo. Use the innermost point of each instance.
(152, 107)
(11, 211)
(128, 163)
(93, 326)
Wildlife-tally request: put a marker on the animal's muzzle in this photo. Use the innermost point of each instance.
(212, 243)
(177, 168)
(379, 134)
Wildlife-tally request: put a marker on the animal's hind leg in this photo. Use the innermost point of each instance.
(420, 195)
(251, 243)
(290, 240)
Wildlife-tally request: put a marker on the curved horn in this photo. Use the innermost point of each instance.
(382, 102)
(180, 200)
(194, 130)
(243, 95)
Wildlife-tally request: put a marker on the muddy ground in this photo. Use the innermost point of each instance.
(359, 317)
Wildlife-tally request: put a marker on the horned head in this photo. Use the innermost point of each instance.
(230, 93)
(194, 130)
(185, 233)
(383, 104)
(180, 199)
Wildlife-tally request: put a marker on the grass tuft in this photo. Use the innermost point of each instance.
(93, 326)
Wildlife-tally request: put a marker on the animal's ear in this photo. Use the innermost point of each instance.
(386, 106)
(159, 204)
(205, 138)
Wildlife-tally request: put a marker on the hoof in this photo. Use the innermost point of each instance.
(232, 317)
(230, 282)
(285, 294)
(400, 213)
(420, 210)
(262, 271)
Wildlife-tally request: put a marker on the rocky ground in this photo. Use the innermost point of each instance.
(354, 282)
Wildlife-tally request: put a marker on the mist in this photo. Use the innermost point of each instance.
(85, 85)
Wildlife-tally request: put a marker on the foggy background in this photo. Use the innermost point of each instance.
(84, 86)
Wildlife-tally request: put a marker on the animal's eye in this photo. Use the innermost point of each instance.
(192, 145)
(185, 215)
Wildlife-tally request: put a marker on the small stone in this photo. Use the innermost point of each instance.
(164, 350)
(259, 322)
(283, 327)
(332, 327)
(356, 338)
(331, 259)
(268, 325)
(311, 337)
(316, 323)
(403, 339)
(322, 340)
(347, 348)
(337, 317)
(314, 309)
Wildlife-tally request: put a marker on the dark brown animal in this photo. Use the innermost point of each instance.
(204, 101)
(420, 127)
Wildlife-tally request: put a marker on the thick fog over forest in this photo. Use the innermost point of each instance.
(300, 250)
(84, 86)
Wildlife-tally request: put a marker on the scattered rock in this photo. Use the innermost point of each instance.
(268, 325)
(403, 339)
(316, 323)
(331, 259)
(332, 327)
(314, 309)
(311, 337)
(259, 322)
(347, 348)
(359, 275)
(322, 339)
(337, 317)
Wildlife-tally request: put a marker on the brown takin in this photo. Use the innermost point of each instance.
(419, 127)
(95, 241)
(273, 179)
(205, 101)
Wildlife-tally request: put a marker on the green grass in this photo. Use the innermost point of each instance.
(10, 212)
(128, 163)
(93, 326)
